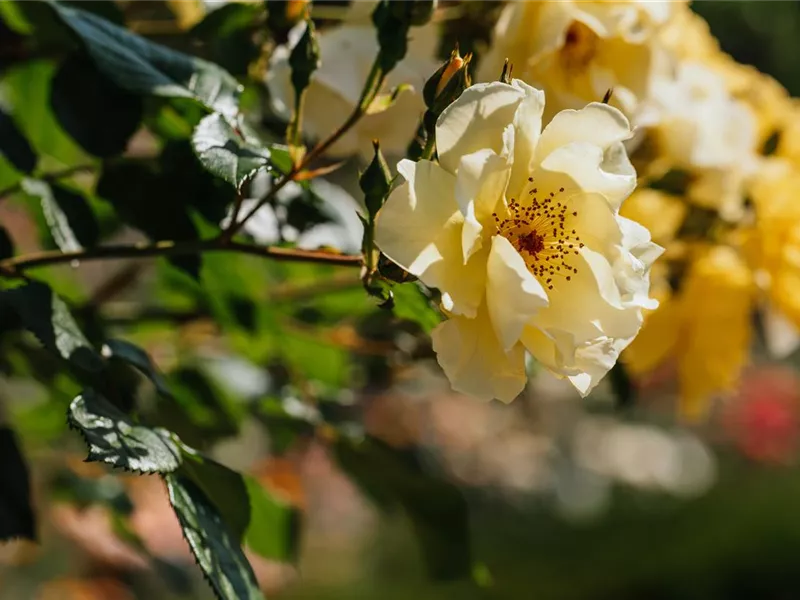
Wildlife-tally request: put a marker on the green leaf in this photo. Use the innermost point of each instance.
(95, 111)
(225, 153)
(46, 316)
(16, 512)
(437, 509)
(143, 67)
(25, 88)
(115, 439)
(152, 203)
(138, 358)
(198, 411)
(14, 146)
(268, 525)
(214, 547)
(411, 303)
(227, 33)
(274, 525)
(6, 245)
(67, 213)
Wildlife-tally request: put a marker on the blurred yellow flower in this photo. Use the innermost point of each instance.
(576, 51)
(700, 124)
(772, 245)
(658, 211)
(705, 327)
(687, 36)
(519, 228)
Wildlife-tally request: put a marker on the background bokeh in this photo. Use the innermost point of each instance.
(565, 499)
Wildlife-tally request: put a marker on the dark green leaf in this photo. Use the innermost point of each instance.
(143, 67)
(67, 213)
(186, 178)
(14, 145)
(149, 201)
(214, 547)
(95, 111)
(225, 153)
(199, 411)
(48, 318)
(16, 512)
(26, 89)
(268, 525)
(6, 245)
(436, 508)
(138, 358)
(115, 439)
(227, 32)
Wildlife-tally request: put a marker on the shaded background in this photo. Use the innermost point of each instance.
(565, 500)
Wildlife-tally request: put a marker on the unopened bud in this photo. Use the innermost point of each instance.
(304, 59)
(454, 80)
(436, 82)
(375, 182)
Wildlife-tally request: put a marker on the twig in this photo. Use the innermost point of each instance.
(373, 84)
(14, 267)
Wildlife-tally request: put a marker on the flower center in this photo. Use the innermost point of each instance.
(539, 231)
(580, 46)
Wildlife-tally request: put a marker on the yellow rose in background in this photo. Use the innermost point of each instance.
(705, 327)
(347, 52)
(519, 229)
(661, 213)
(701, 125)
(577, 51)
(772, 245)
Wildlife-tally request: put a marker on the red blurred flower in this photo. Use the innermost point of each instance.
(763, 421)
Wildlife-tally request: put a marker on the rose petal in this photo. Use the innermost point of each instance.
(470, 355)
(513, 294)
(597, 124)
(475, 121)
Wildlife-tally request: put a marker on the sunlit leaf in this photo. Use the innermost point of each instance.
(215, 549)
(143, 67)
(115, 439)
(225, 152)
(67, 213)
(138, 358)
(48, 318)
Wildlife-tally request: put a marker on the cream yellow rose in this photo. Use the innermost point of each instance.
(519, 229)
(577, 50)
(347, 53)
(701, 126)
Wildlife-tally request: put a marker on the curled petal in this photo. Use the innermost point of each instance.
(476, 121)
(420, 229)
(596, 124)
(608, 172)
(473, 360)
(480, 184)
(513, 294)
